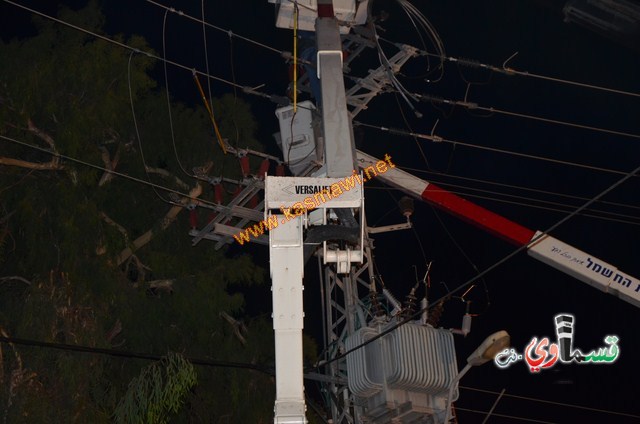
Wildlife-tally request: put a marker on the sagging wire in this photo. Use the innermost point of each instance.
(417, 19)
(166, 81)
(406, 123)
(235, 90)
(430, 30)
(206, 50)
(135, 124)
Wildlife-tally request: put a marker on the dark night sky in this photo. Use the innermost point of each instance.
(524, 295)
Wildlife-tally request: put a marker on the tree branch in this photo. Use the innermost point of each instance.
(167, 174)
(17, 278)
(109, 164)
(41, 134)
(165, 222)
(119, 227)
(164, 285)
(54, 165)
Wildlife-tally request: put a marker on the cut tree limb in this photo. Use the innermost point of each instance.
(167, 174)
(109, 164)
(16, 278)
(167, 220)
(119, 227)
(54, 165)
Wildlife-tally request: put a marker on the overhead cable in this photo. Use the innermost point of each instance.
(226, 31)
(514, 196)
(438, 139)
(471, 63)
(132, 355)
(568, 405)
(208, 105)
(567, 208)
(135, 125)
(475, 106)
(166, 84)
(517, 187)
(440, 55)
(246, 89)
(511, 417)
(103, 169)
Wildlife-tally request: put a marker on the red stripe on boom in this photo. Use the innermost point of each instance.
(477, 215)
(325, 10)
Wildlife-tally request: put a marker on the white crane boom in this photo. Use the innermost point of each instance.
(553, 252)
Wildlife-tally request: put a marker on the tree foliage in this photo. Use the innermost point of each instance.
(159, 390)
(99, 260)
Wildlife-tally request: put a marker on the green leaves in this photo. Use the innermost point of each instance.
(68, 92)
(158, 391)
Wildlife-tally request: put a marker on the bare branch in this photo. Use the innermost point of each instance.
(140, 267)
(54, 165)
(109, 164)
(115, 330)
(165, 222)
(119, 227)
(161, 285)
(41, 134)
(167, 174)
(16, 278)
(237, 326)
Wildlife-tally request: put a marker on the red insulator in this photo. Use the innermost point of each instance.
(217, 193)
(193, 218)
(253, 202)
(244, 165)
(280, 170)
(264, 168)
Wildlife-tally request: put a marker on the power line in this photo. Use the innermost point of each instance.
(478, 180)
(461, 61)
(471, 63)
(226, 31)
(101, 168)
(135, 124)
(166, 84)
(246, 89)
(165, 61)
(474, 106)
(438, 139)
(512, 417)
(132, 355)
(548, 202)
(527, 205)
(586, 408)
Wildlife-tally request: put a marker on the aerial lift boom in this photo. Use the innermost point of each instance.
(286, 246)
(543, 247)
